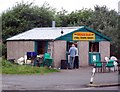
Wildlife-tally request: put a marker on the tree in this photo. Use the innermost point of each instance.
(24, 16)
(106, 21)
(61, 18)
(79, 17)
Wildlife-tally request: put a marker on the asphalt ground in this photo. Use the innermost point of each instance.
(75, 79)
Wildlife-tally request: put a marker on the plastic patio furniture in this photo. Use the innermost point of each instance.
(98, 65)
(110, 64)
(48, 60)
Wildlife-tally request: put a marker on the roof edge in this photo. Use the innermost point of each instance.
(98, 33)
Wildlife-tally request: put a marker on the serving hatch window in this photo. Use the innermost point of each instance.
(93, 46)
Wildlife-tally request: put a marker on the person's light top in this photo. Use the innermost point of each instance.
(72, 51)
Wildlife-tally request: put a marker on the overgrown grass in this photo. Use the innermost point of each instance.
(9, 68)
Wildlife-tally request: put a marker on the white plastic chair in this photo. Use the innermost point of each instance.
(115, 63)
(113, 58)
(106, 59)
(20, 61)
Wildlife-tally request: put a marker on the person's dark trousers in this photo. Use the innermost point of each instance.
(76, 62)
(71, 63)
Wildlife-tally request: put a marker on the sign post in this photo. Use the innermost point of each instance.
(93, 74)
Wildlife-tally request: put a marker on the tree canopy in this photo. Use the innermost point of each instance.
(25, 16)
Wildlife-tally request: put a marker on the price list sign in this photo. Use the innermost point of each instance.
(88, 36)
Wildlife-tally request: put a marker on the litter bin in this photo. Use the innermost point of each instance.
(31, 55)
(63, 64)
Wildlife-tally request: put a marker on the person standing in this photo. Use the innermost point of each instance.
(76, 61)
(72, 52)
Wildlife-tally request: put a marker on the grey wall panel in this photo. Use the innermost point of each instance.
(17, 49)
(104, 49)
(59, 52)
(83, 52)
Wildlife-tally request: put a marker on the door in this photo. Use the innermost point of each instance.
(94, 56)
(94, 53)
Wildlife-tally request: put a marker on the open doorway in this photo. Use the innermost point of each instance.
(41, 47)
(69, 44)
(76, 61)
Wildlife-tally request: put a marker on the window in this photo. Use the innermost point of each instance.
(94, 47)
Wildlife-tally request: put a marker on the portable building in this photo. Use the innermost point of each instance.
(57, 41)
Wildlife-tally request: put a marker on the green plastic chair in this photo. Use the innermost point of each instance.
(98, 65)
(110, 64)
(48, 60)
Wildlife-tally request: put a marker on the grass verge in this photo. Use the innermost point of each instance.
(9, 68)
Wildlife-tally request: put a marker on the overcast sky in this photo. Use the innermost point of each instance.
(69, 5)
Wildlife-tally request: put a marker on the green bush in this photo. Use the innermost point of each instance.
(10, 68)
(3, 50)
(5, 63)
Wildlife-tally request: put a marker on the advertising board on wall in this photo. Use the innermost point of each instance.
(84, 36)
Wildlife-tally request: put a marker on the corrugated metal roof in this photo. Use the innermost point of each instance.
(43, 33)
